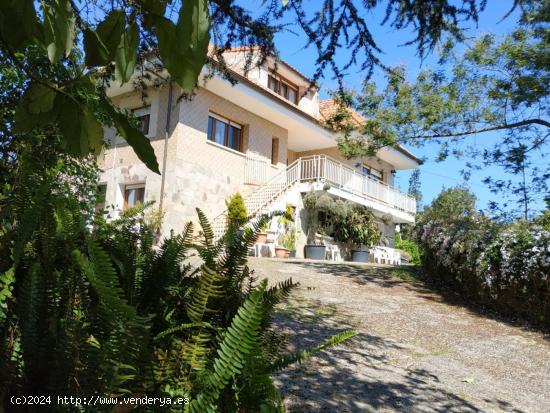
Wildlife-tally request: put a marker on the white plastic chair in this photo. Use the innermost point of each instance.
(260, 248)
(333, 253)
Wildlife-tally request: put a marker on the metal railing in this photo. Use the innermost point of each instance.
(257, 202)
(320, 168)
(323, 168)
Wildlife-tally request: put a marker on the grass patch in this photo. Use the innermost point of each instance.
(406, 273)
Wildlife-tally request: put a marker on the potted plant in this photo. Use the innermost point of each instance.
(359, 229)
(287, 244)
(315, 250)
(262, 235)
(281, 252)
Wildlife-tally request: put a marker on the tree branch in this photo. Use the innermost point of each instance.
(526, 122)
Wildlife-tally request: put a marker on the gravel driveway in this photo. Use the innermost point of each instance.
(415, 352)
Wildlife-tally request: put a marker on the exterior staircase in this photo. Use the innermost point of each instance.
(258, 201)
(320, 169)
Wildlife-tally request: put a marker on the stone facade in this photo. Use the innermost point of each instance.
(199, 173)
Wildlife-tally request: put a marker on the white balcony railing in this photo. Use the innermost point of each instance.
(256, 170)
(319, 168)
(323, 168)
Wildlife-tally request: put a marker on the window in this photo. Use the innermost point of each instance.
(283, 88)
(274, 151)
(101, 195)
(144, 118)
(273, 84)
(134, 195)
(372, 172)
(224, 132)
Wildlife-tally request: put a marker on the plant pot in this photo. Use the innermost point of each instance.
(360, 256)
(315, 252)
(292, 254)
(281, 252)
(262, 238)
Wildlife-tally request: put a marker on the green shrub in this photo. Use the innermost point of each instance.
(410, 247)
(357, 227)
(503, 266)
(96, 309)
(236, 210)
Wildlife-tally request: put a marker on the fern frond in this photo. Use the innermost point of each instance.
(302, 355)
(182, 327)
(103, 279)
(30, 209)
(255, 390)
(7, 280)
(197, 349)
(208, 233)
(209, 287)
(238, 342)
(30, 307)
(277, 293)
(187, 235)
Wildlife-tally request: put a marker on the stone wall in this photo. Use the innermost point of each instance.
(199, 173)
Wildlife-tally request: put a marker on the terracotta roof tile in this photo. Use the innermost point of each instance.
(328, 107)
(237, 49)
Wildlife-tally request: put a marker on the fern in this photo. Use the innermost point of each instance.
(6, 286)
(208, 233)
(31, 306)
(277, 293)
(238, 342)
(183, 327)
(302, 355)
(102, 277)
(209, 287)
(257, 391)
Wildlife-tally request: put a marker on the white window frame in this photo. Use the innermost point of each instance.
(143, 111)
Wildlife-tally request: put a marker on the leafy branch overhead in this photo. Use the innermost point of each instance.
(104, 40)
(111, 48)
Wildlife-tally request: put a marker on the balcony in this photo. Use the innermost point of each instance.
(350, 183)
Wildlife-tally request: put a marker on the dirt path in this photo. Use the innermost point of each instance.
(415, 352)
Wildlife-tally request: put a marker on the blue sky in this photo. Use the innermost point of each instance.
(434, 175)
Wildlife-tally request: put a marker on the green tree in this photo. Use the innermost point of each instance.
(415, 185)
(494, 85)
(236, 210)
(450, 204)
(121, 36)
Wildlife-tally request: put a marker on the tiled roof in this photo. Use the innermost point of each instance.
(238, 49)
(328, 107)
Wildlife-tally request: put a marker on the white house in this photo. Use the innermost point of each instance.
(262, 137)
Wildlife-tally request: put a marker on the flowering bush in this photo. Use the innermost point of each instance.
(506, 267)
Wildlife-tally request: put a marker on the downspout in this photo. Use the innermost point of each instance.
(165, 152)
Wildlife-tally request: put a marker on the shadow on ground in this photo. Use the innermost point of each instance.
(359, 376)
(412, 279)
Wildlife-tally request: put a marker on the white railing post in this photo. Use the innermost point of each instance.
(317, 172)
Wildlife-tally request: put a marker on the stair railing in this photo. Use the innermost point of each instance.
(258, 200)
